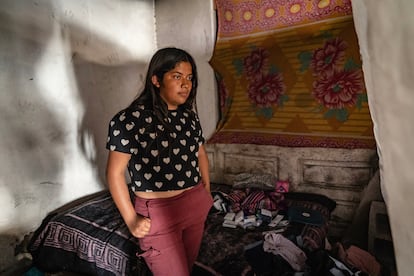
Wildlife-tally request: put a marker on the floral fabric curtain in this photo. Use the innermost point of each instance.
(289, 74)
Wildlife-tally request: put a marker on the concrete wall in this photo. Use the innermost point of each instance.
(66, 67)
(192, 26)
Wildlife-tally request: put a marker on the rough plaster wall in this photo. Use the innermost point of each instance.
(385, 31)
(66, 67)
(340, 174)
(191, 26)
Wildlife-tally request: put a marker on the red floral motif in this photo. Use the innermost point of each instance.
(223, 93)
(266, 90)
(329, 57)
(339, 89)
(255, 62)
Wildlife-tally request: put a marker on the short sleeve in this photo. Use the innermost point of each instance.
(121, 132)
(199, 132)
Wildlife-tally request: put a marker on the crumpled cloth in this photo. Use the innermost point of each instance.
(358, 258)
(279, 245)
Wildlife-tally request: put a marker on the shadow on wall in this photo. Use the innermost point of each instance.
(104, 88)
(32, 137)
(50, 116)
(104, 91)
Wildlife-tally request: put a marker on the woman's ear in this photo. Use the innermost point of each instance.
(155, 81)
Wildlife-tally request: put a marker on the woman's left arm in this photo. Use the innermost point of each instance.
(204, 167)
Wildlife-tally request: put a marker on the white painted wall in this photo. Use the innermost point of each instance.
(386, 35)
(191, 25)
(66, 68)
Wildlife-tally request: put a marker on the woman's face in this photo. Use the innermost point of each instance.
(176, 85)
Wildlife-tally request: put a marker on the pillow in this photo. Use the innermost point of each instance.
(254, 181)
(87, 237)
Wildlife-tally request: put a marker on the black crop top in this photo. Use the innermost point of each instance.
(162, 159)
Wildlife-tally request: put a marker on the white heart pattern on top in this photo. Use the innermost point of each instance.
(112, 147)
(145, 135)
(158, 184)
(112, 123)
(124, 142)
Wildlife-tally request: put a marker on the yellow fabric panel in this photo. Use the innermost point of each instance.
(297, 84)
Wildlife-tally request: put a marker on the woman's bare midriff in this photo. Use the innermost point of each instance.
(166, 194)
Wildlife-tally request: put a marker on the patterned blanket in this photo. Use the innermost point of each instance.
(289, 74)
(87, 237)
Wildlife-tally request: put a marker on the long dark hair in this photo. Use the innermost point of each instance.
(161, 62)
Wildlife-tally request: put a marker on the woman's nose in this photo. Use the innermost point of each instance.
(185, 82)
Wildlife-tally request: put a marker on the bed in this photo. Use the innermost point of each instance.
(88, 236)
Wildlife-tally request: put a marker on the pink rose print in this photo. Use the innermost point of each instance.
(339, 89)
(255, 62)
(328, 58)
(266, 91)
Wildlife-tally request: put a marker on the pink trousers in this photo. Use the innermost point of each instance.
(177, 225)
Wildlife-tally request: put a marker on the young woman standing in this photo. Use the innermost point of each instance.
(159, 140)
